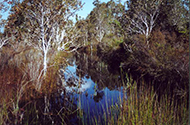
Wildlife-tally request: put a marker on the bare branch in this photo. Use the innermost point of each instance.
(3, 41)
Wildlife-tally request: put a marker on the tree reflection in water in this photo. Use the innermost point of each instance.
(93, 86)
(98, 96)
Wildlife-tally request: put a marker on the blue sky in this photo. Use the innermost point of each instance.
(87, 8)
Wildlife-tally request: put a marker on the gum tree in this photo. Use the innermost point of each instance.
(141, 16)
(46, 24)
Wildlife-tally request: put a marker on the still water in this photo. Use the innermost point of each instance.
(94, 88)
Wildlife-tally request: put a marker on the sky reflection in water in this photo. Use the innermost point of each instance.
(92, 101)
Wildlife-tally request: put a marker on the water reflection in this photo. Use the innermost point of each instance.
(71, 80)
(93, 86)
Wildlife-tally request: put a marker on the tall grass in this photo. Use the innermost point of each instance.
(143, 107)
(11, 92)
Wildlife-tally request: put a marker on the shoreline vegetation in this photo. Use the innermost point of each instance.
(143, 45)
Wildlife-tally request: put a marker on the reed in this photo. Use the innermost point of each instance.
(143, 107)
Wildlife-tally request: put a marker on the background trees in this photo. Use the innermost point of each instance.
(141, 16)
(174, 15)
(103, 22)
(98, 20)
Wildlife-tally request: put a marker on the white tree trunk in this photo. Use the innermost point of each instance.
(45, 62)
(44, 43)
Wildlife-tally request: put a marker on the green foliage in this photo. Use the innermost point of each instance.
(184, 31)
